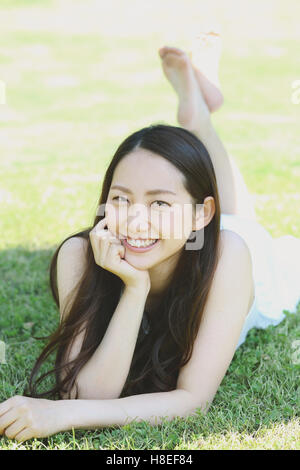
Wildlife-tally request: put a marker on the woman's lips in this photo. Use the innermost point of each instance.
(140, 249)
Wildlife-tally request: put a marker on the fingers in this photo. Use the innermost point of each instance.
(117, 251)
(24, 435)
(15, 428)
(99, 226)
(101, 229)
(7, 419)
(102, 241)
(5, 406)
(122, 251)
(110, 247)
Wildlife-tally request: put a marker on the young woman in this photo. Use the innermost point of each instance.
(149, 320)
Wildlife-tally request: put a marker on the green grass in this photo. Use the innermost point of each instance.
(71, 99)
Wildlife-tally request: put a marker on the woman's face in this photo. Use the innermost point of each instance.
(138, 211)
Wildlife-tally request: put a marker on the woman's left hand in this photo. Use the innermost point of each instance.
(23, 418)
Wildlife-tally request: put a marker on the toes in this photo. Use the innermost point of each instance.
(172, 59)
(167, 49)
(162, 51)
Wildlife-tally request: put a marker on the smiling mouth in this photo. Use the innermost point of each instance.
(140, 249)
(127, 237)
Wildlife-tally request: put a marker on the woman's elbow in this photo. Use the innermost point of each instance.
(86, 390)
(92, 393)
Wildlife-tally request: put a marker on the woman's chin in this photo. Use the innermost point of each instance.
(138, 263)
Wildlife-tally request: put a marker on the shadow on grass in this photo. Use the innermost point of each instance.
(259, 389)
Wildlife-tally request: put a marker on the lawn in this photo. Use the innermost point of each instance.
(79, 78)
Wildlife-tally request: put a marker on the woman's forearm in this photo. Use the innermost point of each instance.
(104, 375)
(222, 164)
(151, 407)
(23, 418)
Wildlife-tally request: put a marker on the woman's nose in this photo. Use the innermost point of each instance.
(138, 218)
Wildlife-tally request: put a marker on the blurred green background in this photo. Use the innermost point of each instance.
(81, 75)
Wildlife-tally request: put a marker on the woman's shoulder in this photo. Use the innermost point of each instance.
(232, 242)
(74, 243)
(72, 252)
(71, 262)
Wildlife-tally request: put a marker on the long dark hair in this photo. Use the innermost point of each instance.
(159, 355)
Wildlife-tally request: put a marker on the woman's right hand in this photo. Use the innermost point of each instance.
(109, 254)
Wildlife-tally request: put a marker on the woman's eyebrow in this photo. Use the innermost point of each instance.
(153, 191)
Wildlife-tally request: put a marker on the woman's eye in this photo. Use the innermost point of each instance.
(118, 197)
(163, 202)
(123, 199)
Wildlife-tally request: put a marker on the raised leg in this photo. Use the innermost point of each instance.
(244, 200)
(193, 114)
(205, 55)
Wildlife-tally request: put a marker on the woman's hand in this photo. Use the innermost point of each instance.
(109, 253)
(23, 418)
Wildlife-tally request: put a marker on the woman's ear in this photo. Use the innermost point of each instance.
(204, 213)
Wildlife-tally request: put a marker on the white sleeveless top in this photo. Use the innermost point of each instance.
(276, 272)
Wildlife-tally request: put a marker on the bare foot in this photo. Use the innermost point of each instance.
(177, 67)
(205, 55)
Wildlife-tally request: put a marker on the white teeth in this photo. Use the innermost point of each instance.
(139, 243)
